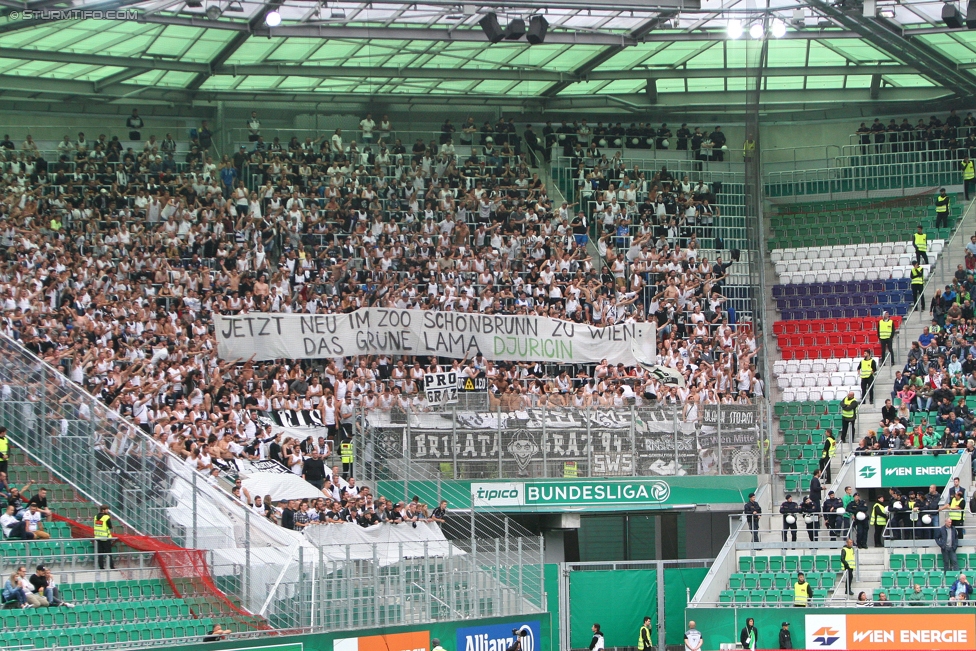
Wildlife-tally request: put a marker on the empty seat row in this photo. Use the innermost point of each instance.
(765, 596)
(829, 365)
(848, 275)
(808, 408)
(849, 287)
(928, 562)
(936, 578)
(810, 380)
(862, 338)
(800, 466)
(880, 262)
(96, 614)
(851, 250)
(872, 311)
(811, 562)
(756, 580)
(853, 300)
(828, 326)
(110, 634)
(804, 436)
(826, 393)
(797, 451)
(115, 591)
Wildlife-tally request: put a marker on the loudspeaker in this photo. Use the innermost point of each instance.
(538, 25)
(515, 29)
(971, 14)
(491, 28)
(736, 254)
(951, 16)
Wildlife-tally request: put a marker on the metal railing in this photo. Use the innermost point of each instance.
(647, 440)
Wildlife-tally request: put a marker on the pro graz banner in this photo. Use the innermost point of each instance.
(372, 331)
(661, 444)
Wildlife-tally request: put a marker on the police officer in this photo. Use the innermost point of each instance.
(811, 518)
(644, 636)
(929, 505)
(968, 176)
(789, 509)
(896, 516)
(917, 274)
(752, 511)
(848, 413)
(886, 333)
(827, 454)
(921, 243)
(848, 564)
(855, 507)
(831, 517)
(879, 519)
(868, 368)
(942, 209)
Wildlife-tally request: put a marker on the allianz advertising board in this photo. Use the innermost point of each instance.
(904, 470)
(499, 637)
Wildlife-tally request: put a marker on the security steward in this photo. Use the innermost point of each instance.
(968, 176)
(103, 537)
(827, 454)
(644, 636)
(868, 368)
(942, 209)
(347, 454)
(848, 564)
(917, 274)
(956, 507)
(802, 592)
(921, 243)
(886, 333)
(848, 413)
(879, 519)
(4, 449)
(787, 509)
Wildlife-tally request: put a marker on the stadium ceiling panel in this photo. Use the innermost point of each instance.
(596, 53)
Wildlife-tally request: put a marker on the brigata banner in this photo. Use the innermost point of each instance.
(892, 632)
(590, 495)
(373, 331)
(904, 470)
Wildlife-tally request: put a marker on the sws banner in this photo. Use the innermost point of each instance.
(373, 331)
(904, 470)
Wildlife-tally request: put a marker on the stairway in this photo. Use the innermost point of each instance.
(867, 577)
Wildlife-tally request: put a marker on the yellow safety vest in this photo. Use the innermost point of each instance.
(879, 515)
(829, 453)
(4, 447)
(102, 530)
(800, 595)
(570, 470)
(847, 408)
(968, 171)
(847, 553)
(640, 637)
(922, 242)
(346, 452)
(956, 505)
(917, 276)
(885, 328)
(867, 369)
(941, 204)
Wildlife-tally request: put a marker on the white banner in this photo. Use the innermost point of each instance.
(374, 331)
(441, 388)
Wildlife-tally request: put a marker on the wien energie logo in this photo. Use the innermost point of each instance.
(826, 636)
(867, 472)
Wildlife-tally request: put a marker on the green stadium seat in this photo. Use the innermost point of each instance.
(913, 562)
(775, 563)
(896, 562)
(888, 579)
(745, 564)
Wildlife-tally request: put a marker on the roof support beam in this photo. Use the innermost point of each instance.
(889, 39)
(101, 60)
(234, 44)
(595, 62)
(117, 78)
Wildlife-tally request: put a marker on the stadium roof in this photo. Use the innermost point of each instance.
(597, 53)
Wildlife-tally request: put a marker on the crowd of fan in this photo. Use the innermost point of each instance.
(115, 259)
(936, 135)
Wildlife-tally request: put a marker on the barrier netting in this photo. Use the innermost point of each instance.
(185, 571)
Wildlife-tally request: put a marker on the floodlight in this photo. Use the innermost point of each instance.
(273, 19)
(778, 28)
(734, 29)
(756, 31)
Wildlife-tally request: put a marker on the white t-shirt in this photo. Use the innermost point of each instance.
(598, 642)
(366, 126)
(692, 638)
(32, 520)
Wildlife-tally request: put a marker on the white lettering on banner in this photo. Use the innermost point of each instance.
(373, 331)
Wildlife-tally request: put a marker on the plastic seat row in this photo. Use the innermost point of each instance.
(908, 596)
(828, 325)
(115, 590)
(829, 365)
(926, 578)
(806, 451)
(848, 287)
(826, 393)
(872, 311)
(850, 250)
(96, 614)
(790, 563)
(844, 301)
(928, 562)
(821, 380)
(848, 275)
(808, 408)
(111, 634)
(863, 338)
(757, 580)
(803, 436)
(734, 597)
(880, 262)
